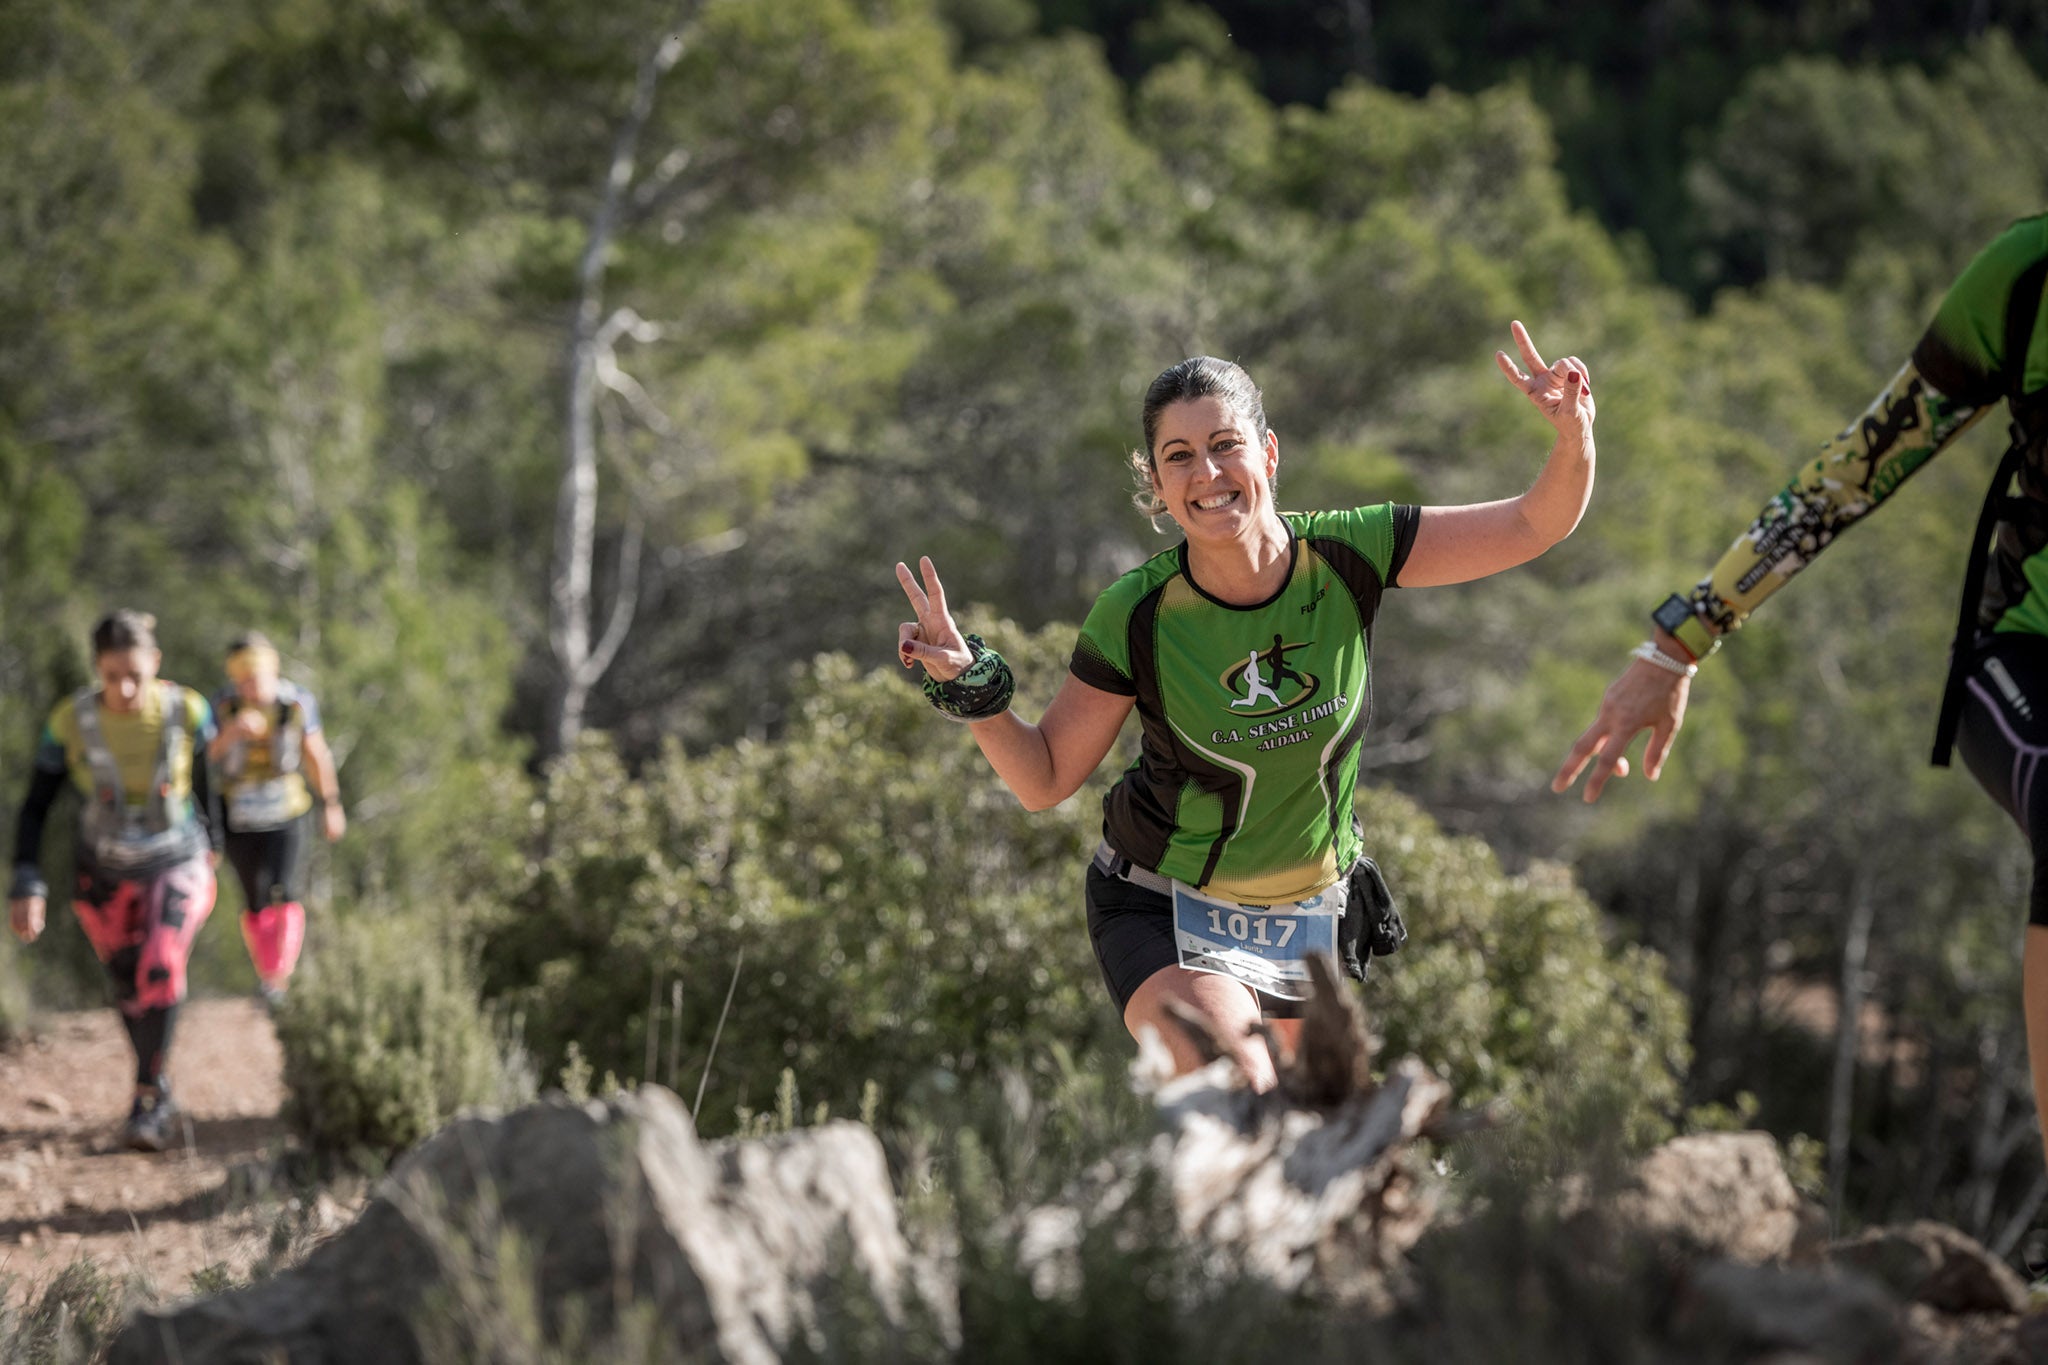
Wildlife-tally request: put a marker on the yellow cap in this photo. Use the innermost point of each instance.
(246, 662)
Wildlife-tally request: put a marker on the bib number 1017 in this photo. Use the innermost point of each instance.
(1267, 931)
(1265, 947)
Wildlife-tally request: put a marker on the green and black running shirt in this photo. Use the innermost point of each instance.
(1252, 715)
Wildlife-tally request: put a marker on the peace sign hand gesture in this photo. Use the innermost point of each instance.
(932, 639)
(1562, 392)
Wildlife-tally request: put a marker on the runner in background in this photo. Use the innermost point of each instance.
(1230, 849)
(148, 841)
(268, 746)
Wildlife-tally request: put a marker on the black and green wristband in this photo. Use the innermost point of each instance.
(982, 691)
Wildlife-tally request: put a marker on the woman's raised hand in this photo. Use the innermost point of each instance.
(932, 639)
(1562, 392)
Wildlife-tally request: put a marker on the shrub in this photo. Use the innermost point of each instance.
(895, 916)
(384, 1039)
(70, 1320)
(1509, 987)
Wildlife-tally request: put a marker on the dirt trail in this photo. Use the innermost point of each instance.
(67, 1186)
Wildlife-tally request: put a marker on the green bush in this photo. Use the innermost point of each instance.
(384, 1039)
(894, 915)
(1509, 987)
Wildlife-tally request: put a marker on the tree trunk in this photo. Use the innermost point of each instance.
(1358, 39)
(570, 606)
(1848, 1037)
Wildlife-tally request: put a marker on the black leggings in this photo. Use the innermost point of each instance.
(267, 863)
(2004, 738)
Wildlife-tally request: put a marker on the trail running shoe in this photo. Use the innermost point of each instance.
(149, 1122)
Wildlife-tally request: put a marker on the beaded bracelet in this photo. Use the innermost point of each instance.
(1648, 652)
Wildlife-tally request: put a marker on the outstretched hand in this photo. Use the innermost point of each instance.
(932, 639)
(1562, 392)
(1644, 697)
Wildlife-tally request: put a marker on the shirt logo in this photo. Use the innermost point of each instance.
(1265, 683)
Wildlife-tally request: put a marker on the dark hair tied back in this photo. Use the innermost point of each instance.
(123, 629)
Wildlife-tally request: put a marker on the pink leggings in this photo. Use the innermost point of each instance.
(142, 930)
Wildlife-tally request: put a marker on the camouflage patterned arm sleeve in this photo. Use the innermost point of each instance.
(1987, 327)
(1908, 425)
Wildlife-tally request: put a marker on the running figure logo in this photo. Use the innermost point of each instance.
(1257, 690)
(1276, 658)
(1255, 686)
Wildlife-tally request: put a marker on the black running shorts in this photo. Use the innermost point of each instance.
(1132, 930)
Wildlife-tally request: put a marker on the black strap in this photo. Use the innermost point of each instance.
(2021, 307)
(2031, 513)
(1962, 653)
(285, 740)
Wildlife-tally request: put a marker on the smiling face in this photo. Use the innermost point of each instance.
(1213, 470)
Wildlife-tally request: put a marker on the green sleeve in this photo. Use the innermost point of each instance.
(1102, 653)
(1381, 532)
(1963, 353)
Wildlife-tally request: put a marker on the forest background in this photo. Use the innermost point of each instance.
(558, 385)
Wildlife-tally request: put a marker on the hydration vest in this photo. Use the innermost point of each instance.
(118, 838)
(258, 804)
(287, 737)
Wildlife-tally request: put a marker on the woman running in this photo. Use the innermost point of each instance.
(269, 744)
(148, 840)
(1229, 849)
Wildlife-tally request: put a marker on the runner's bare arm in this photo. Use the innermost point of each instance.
(247, 723)
(1046, 763)
(1458, 544)
(318, 761)
(1043, 764)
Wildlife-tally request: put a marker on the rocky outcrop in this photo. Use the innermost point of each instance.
(608, 1230)
(1933, 1264)
(1311, 1188)
(1757, 1275)
(1701, 1250)
(1722, 1194)
(497, 1236)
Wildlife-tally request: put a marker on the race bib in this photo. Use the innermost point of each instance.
(262, 806)
(1267, 947)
